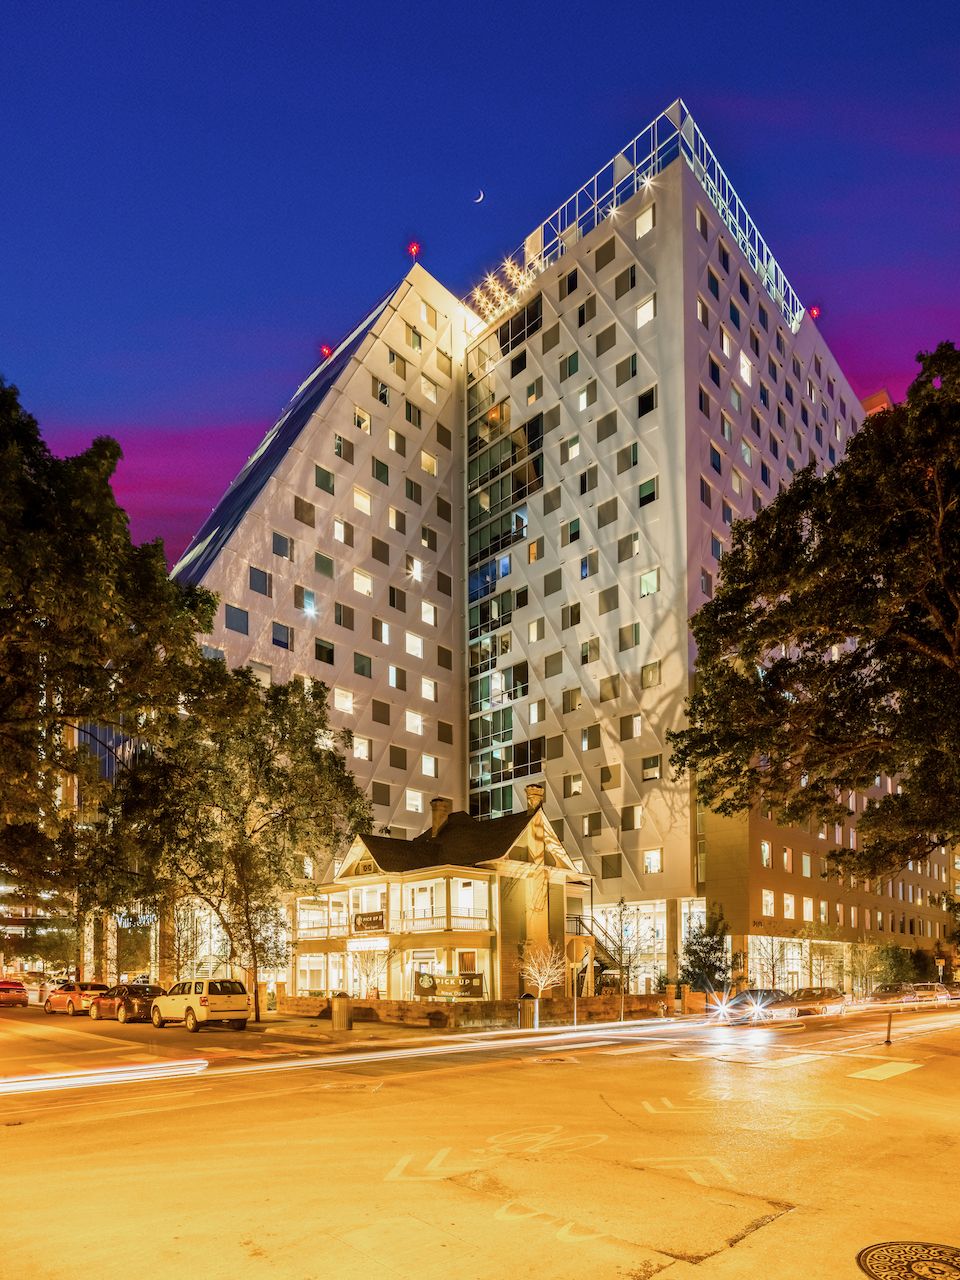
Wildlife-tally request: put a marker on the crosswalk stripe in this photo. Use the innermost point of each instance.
(885, 1071)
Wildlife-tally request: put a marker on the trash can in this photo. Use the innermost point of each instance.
(341, 1013)
(529, 1011)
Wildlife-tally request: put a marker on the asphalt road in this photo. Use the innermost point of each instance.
(673, 1149)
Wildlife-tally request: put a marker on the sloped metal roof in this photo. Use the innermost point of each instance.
(206, 546)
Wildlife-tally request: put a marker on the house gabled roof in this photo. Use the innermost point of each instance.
(462, 841)
(223, 521)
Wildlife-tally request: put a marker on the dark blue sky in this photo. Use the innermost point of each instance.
(197, 196)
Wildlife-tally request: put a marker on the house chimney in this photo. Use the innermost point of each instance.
(439, 813)
(535, 794)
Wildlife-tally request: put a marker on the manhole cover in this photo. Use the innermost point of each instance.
(906, 1258)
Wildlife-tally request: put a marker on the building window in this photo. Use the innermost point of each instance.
(362, 583)
(569, 448)
(789, 907)
(808, 910)
(428, 689)
(646, 402)
(343, 700)
(282, 546)
(569, 365)
(650, 674)
(414, 645)
(652, 861)
(590, 825)
(396, 677)
(650, 582)
(413, 491)
(305, 512)
(590, 738)
(323, 479)
(428, 463)
(646, 311)
(305, 599)
(767, 906)
(361, 419)
(397, 520)
(343, 448)
(362, 665)
(322, 564)
(414, 722)
(572, 785)
(610, 866)
(361, 500)
(650, 768)
(261, 581)
(343, 532)
(413, 800)
(282, 635)
(236, 619)
(646, 220)
(570, 532)
(362, 748)
(412, 414)
(766, 859)
(323, 650)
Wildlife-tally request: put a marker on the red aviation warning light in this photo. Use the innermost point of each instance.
(814, 312)
(326, 351)
(413, 248)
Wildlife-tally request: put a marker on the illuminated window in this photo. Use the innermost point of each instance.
(428, 613)
(428, 689)
(414, 801)
(343, 700)
(646, 311)
(414, 645)
(767, 905)
(808, 910)
(361, 500)
(362, 748)
(414, 722)
(766, 859)
(646, 220)
(361, 419)
(397, 520)
(650, 582)
(428, 389)
(429, 766)
(428, 463)
(572, 785)
(362, 583)
(415, 568)
(652, 861)
(789, 906)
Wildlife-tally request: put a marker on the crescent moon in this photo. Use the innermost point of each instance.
(479, 198)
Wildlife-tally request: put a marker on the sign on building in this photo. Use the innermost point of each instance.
(368, 922)
(462, 985)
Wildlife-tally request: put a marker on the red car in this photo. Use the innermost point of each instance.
(13, 993)
(125, 1003)
(72, 997)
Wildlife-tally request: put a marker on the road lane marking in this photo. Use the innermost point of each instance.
(885, 1071)
(693, 1166)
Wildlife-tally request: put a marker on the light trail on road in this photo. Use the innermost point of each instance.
(97, 1078)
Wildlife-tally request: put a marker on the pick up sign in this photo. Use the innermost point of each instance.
(464, 985)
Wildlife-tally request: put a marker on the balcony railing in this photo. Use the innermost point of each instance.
(406, 923)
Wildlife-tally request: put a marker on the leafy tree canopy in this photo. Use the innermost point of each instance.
(245, 784)
(704, 962)
(92, 631)
(830, 653)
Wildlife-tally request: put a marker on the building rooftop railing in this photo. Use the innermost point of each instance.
(673, 134)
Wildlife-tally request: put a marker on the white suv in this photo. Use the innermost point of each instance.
(203, 1000)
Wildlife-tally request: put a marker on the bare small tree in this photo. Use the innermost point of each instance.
(372, 966)
(543, 966)
(770, 955)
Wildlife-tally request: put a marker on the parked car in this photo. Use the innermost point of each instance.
(126, 1003)
(894, 993)
(13, 993)
(953, 990)
(932, 992)
(811, 1000)
(203, 1000)
(72, 997)
(753, 1005)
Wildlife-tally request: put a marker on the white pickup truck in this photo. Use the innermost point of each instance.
(203, 1000)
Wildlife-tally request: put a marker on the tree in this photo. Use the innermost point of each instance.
(770, 957)
(246, 783)
(543, 966)
(705, 963)
(95, 640)
(627, 944)
(372, 966)
(894, 964)
(830, 653)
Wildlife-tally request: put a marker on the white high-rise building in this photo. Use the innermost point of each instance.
(486, 525)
